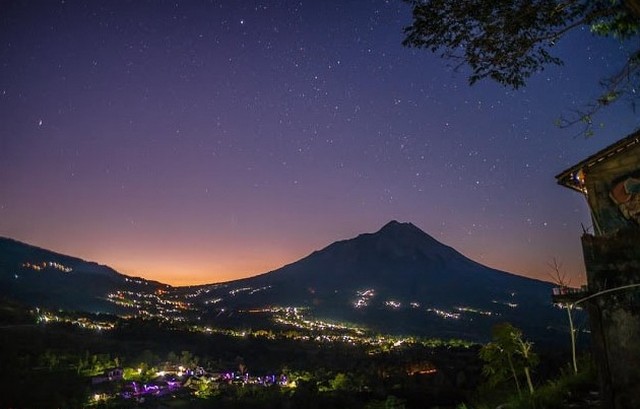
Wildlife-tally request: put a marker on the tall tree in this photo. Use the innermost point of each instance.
(509, 40)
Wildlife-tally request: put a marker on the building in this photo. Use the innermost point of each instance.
(109, 375)
(610, 181)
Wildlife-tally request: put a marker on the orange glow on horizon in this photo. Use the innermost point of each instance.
(180, 269)
(197, 260)
(178, 276)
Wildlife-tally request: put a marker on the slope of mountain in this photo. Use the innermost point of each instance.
(40, 277)
(396, 280)
(400, 280)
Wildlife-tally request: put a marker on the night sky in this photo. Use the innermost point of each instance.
(197, 142)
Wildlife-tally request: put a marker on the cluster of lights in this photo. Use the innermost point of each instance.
(445, 314)
(47, 264)
(118, 298)
(393, 304)
(232, 377)
(156, 305)
(82, 322)
(340, 334)
(223, 331)
(239, 290)
(259, 289)
(475, 311)
(364, 298)
(309, 329)
(294, 316)
(136, 281)
(204, 290)
(198, 293)
(508, 304)
(172, 378)
(273, 310)
(166, 305)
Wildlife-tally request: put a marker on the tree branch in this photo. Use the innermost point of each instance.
(615, 87)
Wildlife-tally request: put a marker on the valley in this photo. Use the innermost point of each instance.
(386, 318)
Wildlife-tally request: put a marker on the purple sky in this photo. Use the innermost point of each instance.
(195, 142)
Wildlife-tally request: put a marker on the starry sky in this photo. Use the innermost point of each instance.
(197, 142)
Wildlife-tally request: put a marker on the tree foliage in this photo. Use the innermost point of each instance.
(509, 40)
(508, 356)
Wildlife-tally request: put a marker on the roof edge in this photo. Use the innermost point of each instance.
(567, 177)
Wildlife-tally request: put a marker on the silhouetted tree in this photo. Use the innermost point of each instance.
(507, 355)
(559, 277)
(509, 40)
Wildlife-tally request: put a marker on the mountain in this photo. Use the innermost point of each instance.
(398, 280)
(43, 278)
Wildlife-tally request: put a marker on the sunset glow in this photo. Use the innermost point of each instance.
(207, 142)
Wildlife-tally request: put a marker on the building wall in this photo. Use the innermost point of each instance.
(613, 261)
(603, 183)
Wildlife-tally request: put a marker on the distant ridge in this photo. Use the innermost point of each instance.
(398, 279)
(41, 277)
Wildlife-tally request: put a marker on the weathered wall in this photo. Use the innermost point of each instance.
(613, 261)
(601, 179)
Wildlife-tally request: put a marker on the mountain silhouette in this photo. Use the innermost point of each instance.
(44, 278)
(396, 280)
(413, 284)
